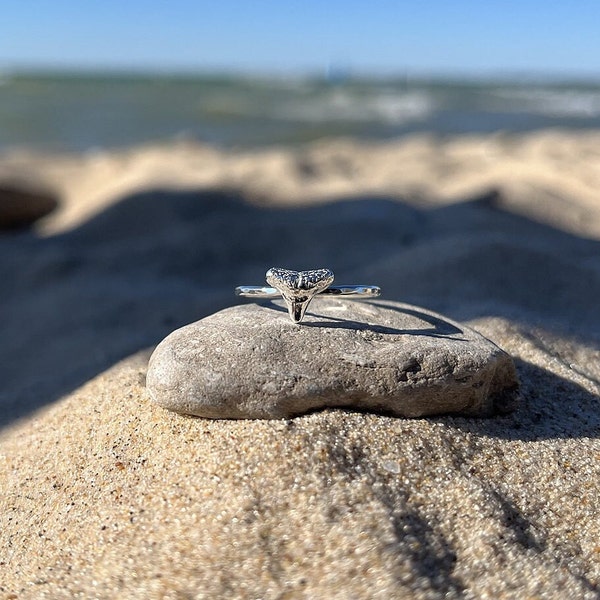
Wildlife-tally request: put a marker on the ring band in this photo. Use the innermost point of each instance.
(257, 291)
(298, 288)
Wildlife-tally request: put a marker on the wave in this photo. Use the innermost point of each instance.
(343, 105)
(554, 102)
(80, 112)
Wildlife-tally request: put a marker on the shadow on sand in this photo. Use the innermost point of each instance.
(76, 303)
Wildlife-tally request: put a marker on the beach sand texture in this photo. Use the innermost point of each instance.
(105, 495)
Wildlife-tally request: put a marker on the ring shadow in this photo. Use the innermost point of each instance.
(441, 328)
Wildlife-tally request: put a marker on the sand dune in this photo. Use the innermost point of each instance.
(105, 495)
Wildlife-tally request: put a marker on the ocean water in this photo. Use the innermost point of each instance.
(83, 112)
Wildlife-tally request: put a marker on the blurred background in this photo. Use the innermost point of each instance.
(77, 76)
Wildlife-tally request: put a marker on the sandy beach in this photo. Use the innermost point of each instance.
(105, 495)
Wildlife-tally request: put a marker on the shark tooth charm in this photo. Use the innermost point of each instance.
(299, 287)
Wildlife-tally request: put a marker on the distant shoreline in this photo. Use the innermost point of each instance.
(495, 77)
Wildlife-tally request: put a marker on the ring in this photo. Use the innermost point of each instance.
(299, 287)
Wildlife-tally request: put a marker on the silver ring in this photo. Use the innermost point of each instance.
(298, 288)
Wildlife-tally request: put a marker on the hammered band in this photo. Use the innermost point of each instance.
(298, 288)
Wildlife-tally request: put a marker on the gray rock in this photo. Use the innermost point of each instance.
(251, 361)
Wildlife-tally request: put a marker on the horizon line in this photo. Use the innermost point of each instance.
(331, 72)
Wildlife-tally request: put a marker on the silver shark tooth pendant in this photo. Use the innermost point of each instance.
(299, 287)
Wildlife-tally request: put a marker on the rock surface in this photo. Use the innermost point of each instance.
(251, 361)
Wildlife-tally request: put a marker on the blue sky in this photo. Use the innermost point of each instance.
(381, 36)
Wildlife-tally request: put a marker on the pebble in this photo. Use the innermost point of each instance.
(251, 362)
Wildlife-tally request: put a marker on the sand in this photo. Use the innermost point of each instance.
(105, 495)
